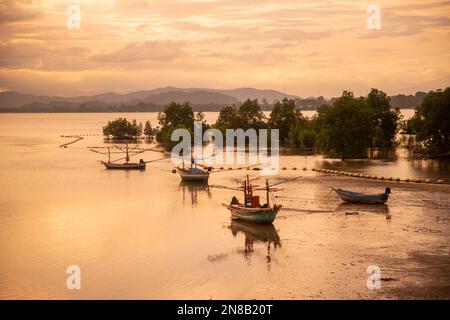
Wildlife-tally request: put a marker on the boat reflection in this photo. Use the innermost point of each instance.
(192, 190)
(256, 233)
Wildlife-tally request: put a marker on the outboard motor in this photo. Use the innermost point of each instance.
(387, 190)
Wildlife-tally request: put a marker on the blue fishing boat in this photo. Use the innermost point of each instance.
(357, 197)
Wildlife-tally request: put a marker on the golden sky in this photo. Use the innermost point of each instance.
(305, 48)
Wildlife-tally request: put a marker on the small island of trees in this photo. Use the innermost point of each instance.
(122, 129)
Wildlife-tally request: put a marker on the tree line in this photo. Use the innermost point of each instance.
(345, 127)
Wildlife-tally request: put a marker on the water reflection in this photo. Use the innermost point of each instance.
(192, 190)
(256, 233)
(383, 154)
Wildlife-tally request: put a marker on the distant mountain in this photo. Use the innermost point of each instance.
(270, 96)
(144, 100)
(241, 94)
(164, 95)
(193, 97)
(11, 99)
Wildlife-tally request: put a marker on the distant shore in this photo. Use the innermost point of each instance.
(196, 109)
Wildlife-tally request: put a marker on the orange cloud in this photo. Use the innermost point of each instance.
(305, 47)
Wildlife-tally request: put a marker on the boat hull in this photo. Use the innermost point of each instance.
(186, 177)
(355, 197)
(124, 166)
(253, 215)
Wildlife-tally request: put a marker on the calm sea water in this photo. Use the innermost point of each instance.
(145, 235)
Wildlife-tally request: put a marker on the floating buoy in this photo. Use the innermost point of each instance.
(284, 168)
(398, 179)
(174, 171)
(428, 181)
(406, 180)
(440, 181)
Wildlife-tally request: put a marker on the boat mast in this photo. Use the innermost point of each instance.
(127, 158)
(267, 192)
(109, 155)
(245, 192)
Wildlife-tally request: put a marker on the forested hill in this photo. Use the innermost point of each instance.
(156, 99)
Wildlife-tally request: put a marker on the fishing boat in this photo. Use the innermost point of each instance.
(193, 173)
(357, 197)
(127, 165)
(251, 210)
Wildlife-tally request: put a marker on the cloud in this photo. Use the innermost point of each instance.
(159, 51)
(39, 56)
(395, 25)
(420, 6)
(300, 45)
(17, 11)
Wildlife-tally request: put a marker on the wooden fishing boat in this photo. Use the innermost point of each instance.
(251, 210)
(255, 215)
(127, 165)
(357, 197)
(193, 174)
